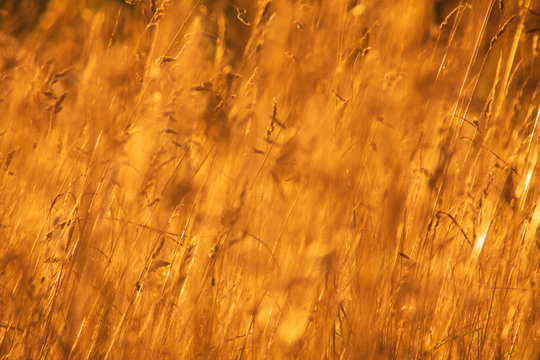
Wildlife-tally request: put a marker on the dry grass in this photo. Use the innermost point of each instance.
(287, 179)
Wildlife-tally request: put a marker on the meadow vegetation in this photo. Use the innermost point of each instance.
(234, 179)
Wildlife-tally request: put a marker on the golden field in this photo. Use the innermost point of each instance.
(234, 179)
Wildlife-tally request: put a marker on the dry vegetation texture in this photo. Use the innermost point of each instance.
(269, 180)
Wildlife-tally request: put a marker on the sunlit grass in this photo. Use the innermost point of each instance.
(285, 179)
